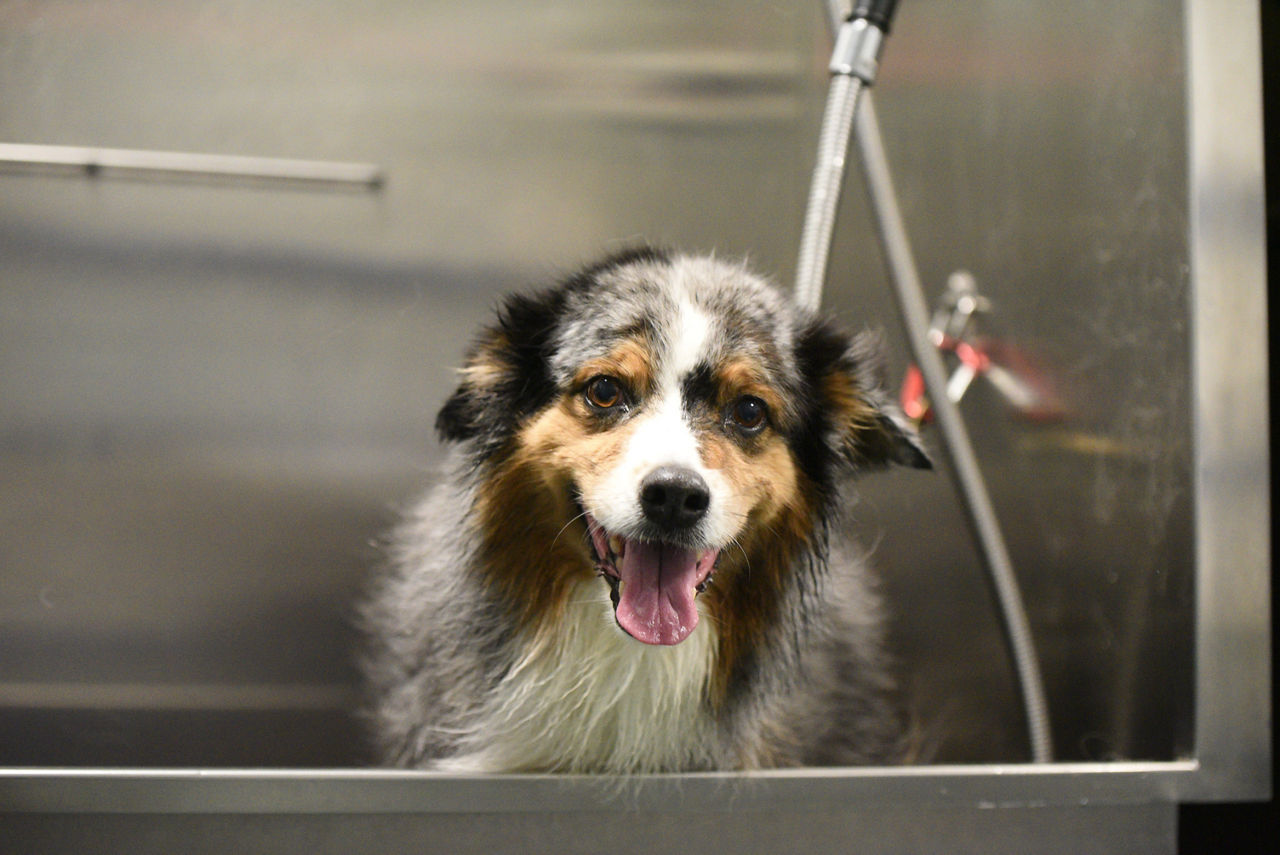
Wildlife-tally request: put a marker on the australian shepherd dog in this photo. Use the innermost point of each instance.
(636, 561)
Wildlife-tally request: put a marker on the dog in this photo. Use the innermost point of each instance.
(636, 561)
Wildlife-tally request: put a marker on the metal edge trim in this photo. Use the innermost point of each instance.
(1230, 419)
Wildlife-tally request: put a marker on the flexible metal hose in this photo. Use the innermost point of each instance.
(959, 449)
(824, 191)
(854, 65)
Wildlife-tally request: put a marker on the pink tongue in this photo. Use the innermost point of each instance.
(656, 604)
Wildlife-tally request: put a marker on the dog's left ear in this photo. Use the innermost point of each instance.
(866, 428)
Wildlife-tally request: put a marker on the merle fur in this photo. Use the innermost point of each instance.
(821, 675)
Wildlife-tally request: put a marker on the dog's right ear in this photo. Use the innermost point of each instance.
(507, 375)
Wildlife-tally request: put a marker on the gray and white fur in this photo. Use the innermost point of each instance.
(635, 559)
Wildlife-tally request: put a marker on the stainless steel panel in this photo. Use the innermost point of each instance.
(214, 397)
(1042, 148)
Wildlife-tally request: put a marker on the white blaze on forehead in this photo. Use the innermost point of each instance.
(689, 337)
(665, 437)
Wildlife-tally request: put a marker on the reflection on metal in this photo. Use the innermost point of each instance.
(1018, 378)
(173, 165)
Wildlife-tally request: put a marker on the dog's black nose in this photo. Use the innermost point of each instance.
(674, 497)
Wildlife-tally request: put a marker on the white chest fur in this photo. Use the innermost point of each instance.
(588, 698)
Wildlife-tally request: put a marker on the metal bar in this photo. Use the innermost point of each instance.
(197, 697)
(349, 791)
(119, 162)
(964, 464)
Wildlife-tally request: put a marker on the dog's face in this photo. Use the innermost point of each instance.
(680, 417)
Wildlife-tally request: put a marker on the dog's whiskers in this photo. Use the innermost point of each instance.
(564, 527)
(746, 559)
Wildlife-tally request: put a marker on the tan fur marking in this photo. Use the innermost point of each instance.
(762, 481)
(488, 364)
(518, 510)
(527, 502)
(840, 393)
(714, 451)
(742, 376)
(851, 411)
(561, 442)
(481, 375)
(766, 493)
(629, 362)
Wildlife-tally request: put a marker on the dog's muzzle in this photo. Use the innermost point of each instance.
(656, 575)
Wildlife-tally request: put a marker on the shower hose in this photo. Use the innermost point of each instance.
(860, 33)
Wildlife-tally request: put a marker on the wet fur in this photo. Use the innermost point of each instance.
(492, 640)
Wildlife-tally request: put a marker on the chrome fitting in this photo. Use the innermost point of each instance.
(857, 50)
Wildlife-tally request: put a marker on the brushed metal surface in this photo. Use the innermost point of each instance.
(214, 398)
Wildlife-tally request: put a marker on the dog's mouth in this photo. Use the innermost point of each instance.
(653, 584)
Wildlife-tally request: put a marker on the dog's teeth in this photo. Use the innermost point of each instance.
(615, 544)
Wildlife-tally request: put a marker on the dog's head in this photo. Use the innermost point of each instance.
(684, 412)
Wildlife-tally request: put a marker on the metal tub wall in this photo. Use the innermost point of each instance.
(215, 396)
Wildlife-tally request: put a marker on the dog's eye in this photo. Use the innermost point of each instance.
(749, 414)
(604, 393)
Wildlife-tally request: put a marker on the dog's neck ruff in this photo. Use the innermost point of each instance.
(583, 696)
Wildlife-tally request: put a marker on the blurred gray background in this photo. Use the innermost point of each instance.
(213, 398)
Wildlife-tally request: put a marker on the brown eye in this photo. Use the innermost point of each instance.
(749, 414)
(604, 393)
